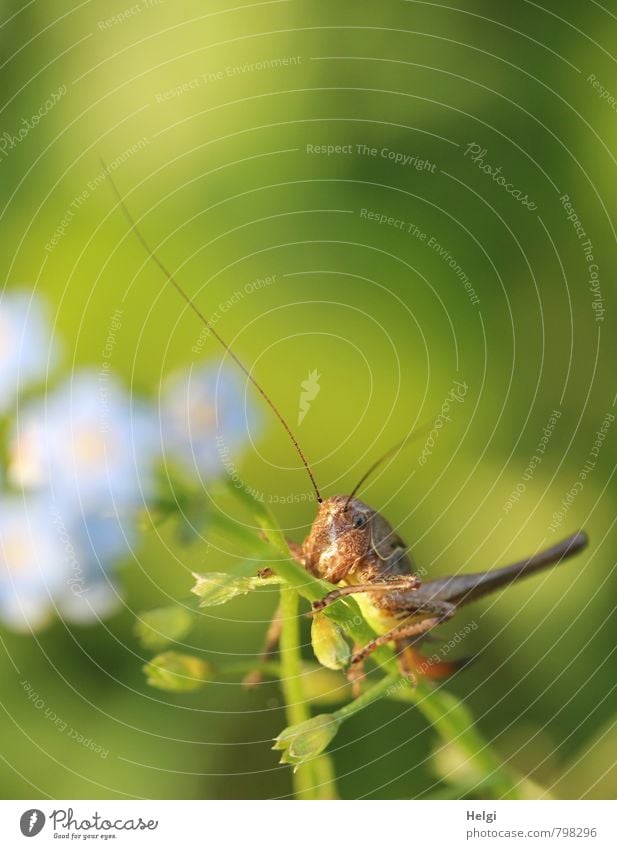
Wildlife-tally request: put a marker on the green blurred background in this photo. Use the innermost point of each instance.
(229, 192)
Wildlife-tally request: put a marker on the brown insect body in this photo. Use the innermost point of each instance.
(353, 546)
(349, 541)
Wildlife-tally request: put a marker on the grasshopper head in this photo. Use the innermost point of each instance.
(339, 539)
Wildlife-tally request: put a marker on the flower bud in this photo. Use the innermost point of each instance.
(177, 672)
(156, 628)
(308, 739)
(330, 647)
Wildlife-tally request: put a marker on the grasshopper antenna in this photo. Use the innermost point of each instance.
(385, 457)
(190, 303)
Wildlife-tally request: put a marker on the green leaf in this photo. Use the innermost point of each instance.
(157, 628)
(215, 588)
(299, 743)
(330, 647)
(177, 672)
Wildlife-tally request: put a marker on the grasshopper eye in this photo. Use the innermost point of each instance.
(359, 521)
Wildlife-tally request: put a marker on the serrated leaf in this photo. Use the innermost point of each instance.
(330, 647)
(155, 629)
(214, 588)
(177, 672)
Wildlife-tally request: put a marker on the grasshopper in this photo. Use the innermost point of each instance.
(354, 547)
(352, 544)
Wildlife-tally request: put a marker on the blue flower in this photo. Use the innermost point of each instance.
(88, 443)
(94, 545)
(26, 354)
(33, 565)
(206, 418)
(85, 458)
(56, 563)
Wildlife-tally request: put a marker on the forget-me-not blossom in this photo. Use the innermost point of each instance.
(89, 443)
(26, 350)
(206, 418)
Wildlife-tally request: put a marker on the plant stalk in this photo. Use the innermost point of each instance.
(450, 718)
(315, 779)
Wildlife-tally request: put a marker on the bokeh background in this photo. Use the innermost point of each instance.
(210, 113)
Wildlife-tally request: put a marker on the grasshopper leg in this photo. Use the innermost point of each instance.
(355, 674)
(413, 662)
(405, 582)
(442, 612)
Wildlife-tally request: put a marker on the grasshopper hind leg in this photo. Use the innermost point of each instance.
(355, 674)
(413, 662)
(436, 612)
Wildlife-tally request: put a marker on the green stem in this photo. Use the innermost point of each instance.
(450, 718)
(371, 695)
(269, 668)
(455, 724)
(316, 778)
(325, 777)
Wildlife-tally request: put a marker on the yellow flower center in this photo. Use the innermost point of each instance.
(202, 416)
(89, 447)
(16, 552)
